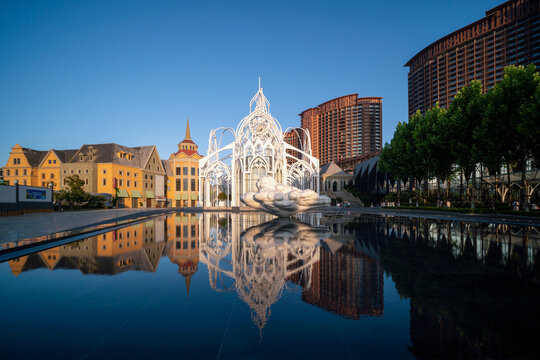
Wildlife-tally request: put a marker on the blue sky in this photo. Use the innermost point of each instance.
(131, 72)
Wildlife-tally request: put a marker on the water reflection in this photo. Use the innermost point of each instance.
(137, 247)
(348, 278)
(472, 289)
(259, 259)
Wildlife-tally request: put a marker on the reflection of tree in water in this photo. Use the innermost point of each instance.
(473, 289)
(263, 257)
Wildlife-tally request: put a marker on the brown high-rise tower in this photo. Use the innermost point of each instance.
(509, 34)
(344, 128)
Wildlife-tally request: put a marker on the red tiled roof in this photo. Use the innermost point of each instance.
(187, 152)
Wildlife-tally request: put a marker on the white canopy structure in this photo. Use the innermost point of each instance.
(257, 149)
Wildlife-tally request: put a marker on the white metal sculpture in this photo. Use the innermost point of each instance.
(282, 200)
(257, 149)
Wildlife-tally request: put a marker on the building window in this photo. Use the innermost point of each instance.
(9, 173)
(86, 181)
(178, 231)
(24, 182)
(120, 182)
(52, 176)
(151, 177)
(16, 172)
(192, 171)
(185, 184)
(135, 174)
(178, 184)
(128, 183)
(50, 161)
(43, 183)
(43, 176)
(104, 171)
(80, 171)
(72, 171)
(86, 171)
(135, 183)
(185, 170)
(54, 161)
(121, 172)
(104, 182)
(192, 184)
(24, 172)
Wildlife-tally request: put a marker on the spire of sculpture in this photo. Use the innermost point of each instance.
(261, 102)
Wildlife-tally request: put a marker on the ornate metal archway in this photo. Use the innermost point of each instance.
(257, 149)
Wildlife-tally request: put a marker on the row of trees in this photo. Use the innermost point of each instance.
(501, 127)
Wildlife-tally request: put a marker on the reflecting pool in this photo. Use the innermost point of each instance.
(222, 285)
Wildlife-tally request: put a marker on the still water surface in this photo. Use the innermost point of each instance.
(251, 286)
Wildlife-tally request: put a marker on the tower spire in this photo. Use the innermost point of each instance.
(188, 134)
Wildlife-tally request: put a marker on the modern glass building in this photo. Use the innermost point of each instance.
(508, 34)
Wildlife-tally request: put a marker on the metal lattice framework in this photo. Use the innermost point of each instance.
(257, 149)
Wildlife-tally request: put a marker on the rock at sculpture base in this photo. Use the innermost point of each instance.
(282, 200)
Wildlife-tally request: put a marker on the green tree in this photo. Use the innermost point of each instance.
(433, 146)
(512, 120)
(76, 197)
(465, 116)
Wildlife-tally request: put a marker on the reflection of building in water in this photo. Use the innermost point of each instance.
(495, 244)
(476, 296)
(183, 244)
(136, 247)
(348, 278)
(257, 256)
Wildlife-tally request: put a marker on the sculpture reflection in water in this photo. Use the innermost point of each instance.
(258, 257)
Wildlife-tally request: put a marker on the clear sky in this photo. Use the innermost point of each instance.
(131, 72)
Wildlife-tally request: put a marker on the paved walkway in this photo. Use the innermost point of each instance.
(15, 228)
(441, 215)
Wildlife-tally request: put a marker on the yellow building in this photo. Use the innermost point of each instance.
(49, 167)
(134, 174)
(184, 166)
(35, 167)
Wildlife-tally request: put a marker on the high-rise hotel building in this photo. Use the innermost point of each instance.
(509, 34)
(345, 128)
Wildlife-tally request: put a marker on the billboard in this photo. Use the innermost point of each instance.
(35, 194)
